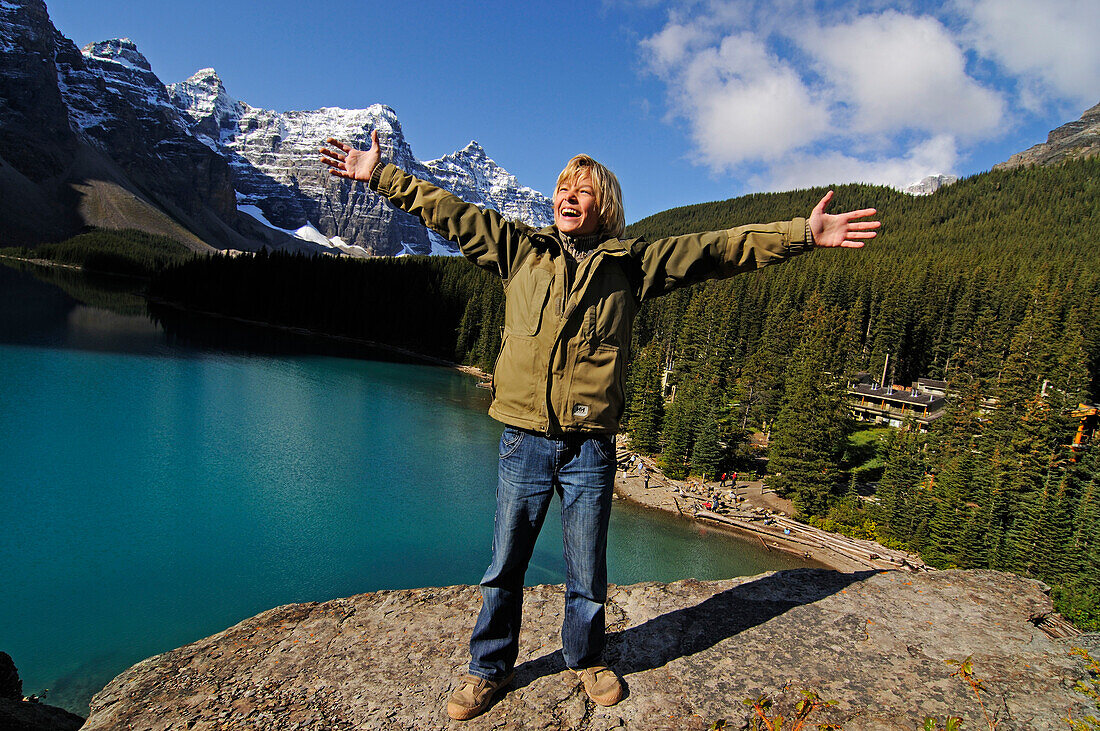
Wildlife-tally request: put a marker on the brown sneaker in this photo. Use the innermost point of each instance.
(601, 684)
(472, 696)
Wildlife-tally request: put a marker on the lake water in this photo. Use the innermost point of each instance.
(161, 481)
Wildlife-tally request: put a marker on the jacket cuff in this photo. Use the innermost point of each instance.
(376, 175)
(802, 238)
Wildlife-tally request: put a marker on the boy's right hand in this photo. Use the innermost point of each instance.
(347, 162)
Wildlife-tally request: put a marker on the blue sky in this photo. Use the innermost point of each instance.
(687, 101)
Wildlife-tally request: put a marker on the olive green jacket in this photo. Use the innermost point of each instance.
(562, 361)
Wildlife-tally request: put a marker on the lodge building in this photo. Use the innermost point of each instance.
(922, 403)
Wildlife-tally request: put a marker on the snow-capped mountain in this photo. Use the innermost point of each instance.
(117, 103)
(930, 184)
(92, 137)
(275, 166)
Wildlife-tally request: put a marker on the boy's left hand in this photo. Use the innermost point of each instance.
(841, 229)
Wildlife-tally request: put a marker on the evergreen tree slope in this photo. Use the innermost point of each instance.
(991, 284)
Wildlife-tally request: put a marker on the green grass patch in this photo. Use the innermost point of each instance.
(863, 455)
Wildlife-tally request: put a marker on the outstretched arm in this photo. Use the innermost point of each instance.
(841, 229)
(347, 162)
(484, 236)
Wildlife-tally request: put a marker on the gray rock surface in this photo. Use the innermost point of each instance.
(1072, 141)
(878, 644)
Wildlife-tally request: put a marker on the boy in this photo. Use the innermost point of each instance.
(571, 293)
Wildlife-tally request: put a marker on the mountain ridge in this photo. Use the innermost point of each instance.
(274, 157)
(91, 138)
(1079, 138)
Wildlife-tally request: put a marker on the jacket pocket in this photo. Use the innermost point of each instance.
(597, 387)
(515, 375)
(525, 301)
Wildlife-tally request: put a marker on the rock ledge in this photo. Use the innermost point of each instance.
(879, 644)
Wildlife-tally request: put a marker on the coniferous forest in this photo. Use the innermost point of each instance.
(991, 284)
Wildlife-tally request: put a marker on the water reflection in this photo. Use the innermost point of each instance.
(65, 308)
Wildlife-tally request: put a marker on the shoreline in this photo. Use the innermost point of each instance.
(412, 354)
(759, 514)
(428, 359)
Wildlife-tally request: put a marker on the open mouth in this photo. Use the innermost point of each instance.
(570, 213)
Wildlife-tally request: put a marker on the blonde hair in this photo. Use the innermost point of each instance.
(609, 196)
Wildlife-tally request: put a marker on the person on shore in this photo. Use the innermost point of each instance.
(572, 290)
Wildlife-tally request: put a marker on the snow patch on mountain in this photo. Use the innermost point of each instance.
(305, 233)
(274, 159)
(929, 185)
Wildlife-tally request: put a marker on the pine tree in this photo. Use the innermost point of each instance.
(901, 477)
(946, 525)
(645, 409)
(1085, 543)
(812, 428)
(707, 457)
(680, 427)
(975, 542)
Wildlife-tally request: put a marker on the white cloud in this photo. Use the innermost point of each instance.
(894, 72)
(741, 102)
(1050, 44)
(671, 46)
(806, 92)
(935, 155)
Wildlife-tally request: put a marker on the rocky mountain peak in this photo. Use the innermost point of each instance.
(273, 156)
(1073, 140)
(204, 99)
(472, 151)
(118, 50)
(930, 184)
(204, 83)
(207, 77)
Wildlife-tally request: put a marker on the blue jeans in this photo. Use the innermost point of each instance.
(581, 469)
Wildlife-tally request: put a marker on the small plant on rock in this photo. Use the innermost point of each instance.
(762, 718)
(1089, 687)
(966, 673)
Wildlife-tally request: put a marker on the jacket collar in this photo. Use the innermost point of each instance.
(608, 245)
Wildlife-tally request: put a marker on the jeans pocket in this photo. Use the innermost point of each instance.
(605, 447)
(510, 441)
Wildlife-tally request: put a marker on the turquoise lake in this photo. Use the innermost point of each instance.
(160, 482)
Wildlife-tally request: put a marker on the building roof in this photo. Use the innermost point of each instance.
(932, 383)
(905, 396)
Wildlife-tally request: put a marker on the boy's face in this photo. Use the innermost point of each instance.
(575, 210)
